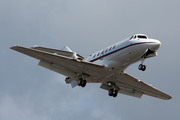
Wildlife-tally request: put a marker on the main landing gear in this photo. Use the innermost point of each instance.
(113, 91)
(82, 82)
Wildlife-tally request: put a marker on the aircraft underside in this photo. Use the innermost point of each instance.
(106, 66)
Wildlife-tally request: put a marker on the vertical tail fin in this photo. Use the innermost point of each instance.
(65, 48)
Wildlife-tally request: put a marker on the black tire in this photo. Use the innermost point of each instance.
(80, 82)
(143, 68)
(115, 93)
(83, 83)
(111, 92)
(140, 67)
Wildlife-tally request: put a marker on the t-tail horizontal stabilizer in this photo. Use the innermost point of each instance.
(65, 48)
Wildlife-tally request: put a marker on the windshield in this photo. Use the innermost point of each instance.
(142, 37)
(138, 36)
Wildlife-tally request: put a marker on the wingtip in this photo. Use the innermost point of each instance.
(170, 97)
(167, 97)
(14, 47)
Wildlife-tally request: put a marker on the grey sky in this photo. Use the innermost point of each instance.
(28, 91)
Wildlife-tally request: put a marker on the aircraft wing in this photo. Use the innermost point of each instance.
(132, 86)
(73, 65)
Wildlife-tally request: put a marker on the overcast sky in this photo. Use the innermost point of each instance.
(30, 92)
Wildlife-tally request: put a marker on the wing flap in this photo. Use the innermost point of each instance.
(56, 68)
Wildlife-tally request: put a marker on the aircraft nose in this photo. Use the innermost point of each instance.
(155, 44)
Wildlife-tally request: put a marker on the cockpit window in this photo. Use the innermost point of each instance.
(142, 37)
(131, 37)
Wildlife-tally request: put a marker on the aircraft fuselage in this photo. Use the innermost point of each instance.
(119, 56)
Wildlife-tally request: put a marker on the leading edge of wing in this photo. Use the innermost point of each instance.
(56, 59)
(137, 84)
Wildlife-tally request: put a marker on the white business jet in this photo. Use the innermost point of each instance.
(106, 66)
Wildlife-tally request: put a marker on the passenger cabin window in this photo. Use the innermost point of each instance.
(142, 37)
(98, 54)
(114, 46)
(106, 50)
(102, 52)
(110, 48)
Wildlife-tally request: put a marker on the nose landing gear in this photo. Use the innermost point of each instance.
(141, 66)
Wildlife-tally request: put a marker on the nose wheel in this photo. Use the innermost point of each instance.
(142, 67)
